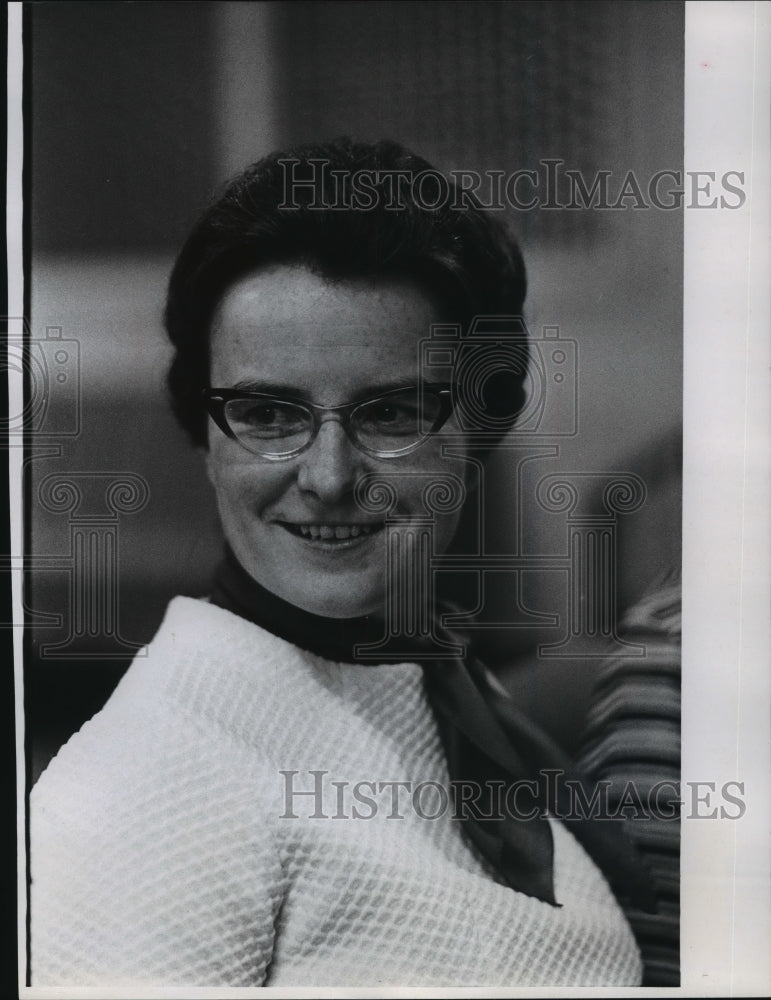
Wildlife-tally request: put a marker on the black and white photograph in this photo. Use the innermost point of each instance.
(388, 457)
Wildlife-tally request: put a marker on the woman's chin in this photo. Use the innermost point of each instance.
(337, 605)
(330, 598)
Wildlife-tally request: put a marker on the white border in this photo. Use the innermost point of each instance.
(726, 907)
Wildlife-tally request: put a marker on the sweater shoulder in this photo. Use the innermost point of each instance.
(148, 830)
(159, 732)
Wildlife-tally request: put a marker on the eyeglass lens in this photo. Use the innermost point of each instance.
(386, 424)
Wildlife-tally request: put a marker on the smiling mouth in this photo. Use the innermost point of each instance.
(332, 533)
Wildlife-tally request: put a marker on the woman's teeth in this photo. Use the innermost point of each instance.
(337, 531)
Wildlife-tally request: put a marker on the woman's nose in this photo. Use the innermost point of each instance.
(329, 468)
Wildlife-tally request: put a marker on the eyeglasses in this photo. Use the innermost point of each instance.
(386, 426)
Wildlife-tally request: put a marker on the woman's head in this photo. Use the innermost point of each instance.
(345, 210)
(313, 280)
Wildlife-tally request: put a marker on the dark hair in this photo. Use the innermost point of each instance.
(344, 209)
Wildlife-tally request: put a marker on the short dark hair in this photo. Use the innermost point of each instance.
(304, 206)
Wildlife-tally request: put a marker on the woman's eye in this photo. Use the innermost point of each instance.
(386, 413)
(263, 415)
(267, 418)
(395, 415)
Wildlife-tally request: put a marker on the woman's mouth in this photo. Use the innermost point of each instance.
(336, 535)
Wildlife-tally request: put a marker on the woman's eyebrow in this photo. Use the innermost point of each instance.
(269, 388)
(283, 390)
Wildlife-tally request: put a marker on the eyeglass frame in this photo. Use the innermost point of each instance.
(215, 400)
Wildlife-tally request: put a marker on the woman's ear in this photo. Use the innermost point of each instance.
(204, 453)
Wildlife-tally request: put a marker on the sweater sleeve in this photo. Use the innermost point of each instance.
(152, 857)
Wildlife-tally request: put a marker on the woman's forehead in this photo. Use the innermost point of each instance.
(287, 324)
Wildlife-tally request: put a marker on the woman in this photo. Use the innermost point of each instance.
(264, 800)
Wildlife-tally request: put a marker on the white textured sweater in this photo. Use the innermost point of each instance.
(166, 848)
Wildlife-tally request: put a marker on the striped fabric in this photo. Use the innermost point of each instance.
(632, 741)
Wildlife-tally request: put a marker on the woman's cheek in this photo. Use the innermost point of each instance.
(240, 483)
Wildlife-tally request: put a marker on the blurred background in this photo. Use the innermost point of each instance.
(136, 113)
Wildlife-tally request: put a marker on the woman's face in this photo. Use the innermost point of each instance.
(286, 331)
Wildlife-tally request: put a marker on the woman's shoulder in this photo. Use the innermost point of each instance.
(209, 670)
(165, 724)
(148, 830)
